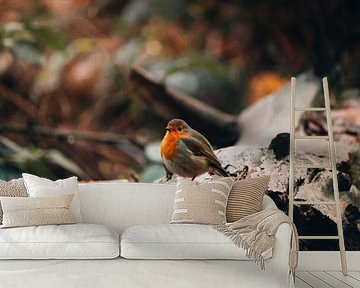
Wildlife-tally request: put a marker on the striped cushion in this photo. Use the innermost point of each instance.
(201, 203)
(246, 197)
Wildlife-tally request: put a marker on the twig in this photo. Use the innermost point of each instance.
(18, 101)
(71, 136)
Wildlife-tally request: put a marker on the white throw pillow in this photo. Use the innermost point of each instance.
(181, 241)
(42, 187)
(71, 241)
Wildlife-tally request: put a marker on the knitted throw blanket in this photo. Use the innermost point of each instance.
(256, 234)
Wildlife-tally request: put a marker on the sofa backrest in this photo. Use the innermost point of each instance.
(120, 205)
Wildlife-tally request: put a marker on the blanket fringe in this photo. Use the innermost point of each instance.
(240, 242)
(256, 234)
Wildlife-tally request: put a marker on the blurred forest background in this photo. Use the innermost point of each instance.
(85, 84)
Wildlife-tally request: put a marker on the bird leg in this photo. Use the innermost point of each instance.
(229, 165)
(168, 174)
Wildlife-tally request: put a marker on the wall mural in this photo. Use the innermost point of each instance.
(87, 88)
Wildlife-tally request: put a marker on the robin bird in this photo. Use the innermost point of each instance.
(187, 153)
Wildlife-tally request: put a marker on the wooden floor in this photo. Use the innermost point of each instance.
(327, 279)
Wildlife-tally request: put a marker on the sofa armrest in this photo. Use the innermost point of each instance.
(279, 263)
(281, 251)
(267, 203)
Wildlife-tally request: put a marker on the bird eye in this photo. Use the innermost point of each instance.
(179, 129)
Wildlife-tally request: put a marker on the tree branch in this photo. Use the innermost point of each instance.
(71, 136)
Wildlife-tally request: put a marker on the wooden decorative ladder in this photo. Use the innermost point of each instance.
(332, 166)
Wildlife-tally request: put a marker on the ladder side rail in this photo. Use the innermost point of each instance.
(292, 148)
(334, 174)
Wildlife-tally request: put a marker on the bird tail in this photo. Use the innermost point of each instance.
(221, 171)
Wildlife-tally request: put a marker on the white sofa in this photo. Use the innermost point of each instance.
(118, 206)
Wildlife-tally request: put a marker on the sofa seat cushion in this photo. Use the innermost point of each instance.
(180, 241)
(74, 241)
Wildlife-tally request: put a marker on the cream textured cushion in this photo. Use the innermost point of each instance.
(182, 241)
(202, 203)
(42, 187)
(73, 241)
(246, 197)
(13, 188)
(26, 211)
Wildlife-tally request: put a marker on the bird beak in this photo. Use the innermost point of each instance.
(167, 128)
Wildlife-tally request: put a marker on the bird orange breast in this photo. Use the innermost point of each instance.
(168, 144)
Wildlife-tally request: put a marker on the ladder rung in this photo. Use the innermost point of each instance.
(314, 202)
(318, 237)
(310, 109)
(311, 137)
(328, 166)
